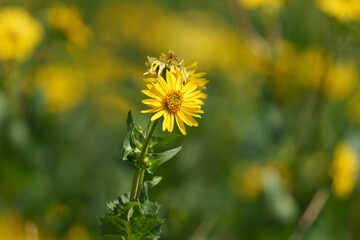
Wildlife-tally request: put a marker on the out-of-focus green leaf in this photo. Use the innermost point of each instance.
(156, 159)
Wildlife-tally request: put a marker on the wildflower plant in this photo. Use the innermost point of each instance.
(174, 92)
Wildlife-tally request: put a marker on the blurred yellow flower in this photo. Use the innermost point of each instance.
(344, 10)
(20, 33)
(78, 232)
(68, 20)
(341, 80)
(313, 69)
(173, 101)
(13, 227)
(62, 87)
(310, 67)
(247, 181)
(250, 4)
(344, 170)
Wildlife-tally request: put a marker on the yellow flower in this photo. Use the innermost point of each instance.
(173, 101)
(68, 20)
(78, 231)
(176, 65)
(340, 80)
(14, 227)
(20, 33)
(250, 4)
(344, 170)
(61, 86)
(344, 10)
(246, 181)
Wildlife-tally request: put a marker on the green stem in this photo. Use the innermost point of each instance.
(139, 172)
(137, 183)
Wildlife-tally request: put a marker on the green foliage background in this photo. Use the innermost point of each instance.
(263, 148)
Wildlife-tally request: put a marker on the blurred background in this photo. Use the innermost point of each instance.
(275, 156)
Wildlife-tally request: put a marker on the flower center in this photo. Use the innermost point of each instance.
(172, 101)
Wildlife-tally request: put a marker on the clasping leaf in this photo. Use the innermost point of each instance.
(156, 159)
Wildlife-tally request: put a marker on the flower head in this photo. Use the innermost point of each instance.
(68, 20)
(62, 87)
(177, 66)
(173, 100)
(344, 170)
(20, 33)
(343, 10)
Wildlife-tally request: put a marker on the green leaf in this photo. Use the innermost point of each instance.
(158, 141)
(133, 143)
(156, 159)
(143, 223)
(114, 225)
(137, 136)
(144, 196)
(129, 120)
(131, 220)
(146, 205)
(156, 232)
(127, 148)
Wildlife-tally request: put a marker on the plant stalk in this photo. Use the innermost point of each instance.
(139, 172)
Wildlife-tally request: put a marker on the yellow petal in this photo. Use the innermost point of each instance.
(163, 84)
(166, 118)
(189, 87)
(180, 124)
(191, 113)
(179, 81)
(152, 102)
(198, 75)
(193, 94)
(159, 90)
(170, 78)
(195, 110)
(157, 115)
(150, 94)
(149, 80)
(190, 105)
(171, 122)
(152, 110)
(187, 119)
(203, 96)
